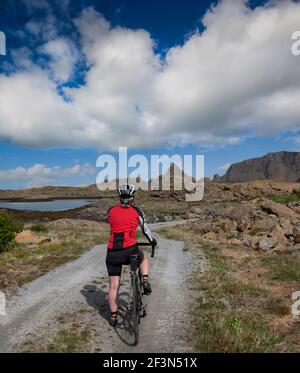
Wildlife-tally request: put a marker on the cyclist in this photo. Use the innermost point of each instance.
(124, 219)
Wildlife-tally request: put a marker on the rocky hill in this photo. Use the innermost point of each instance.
(280, 166)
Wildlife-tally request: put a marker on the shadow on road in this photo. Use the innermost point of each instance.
(97, 298)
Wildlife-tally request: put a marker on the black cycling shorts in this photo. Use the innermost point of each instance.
(115, 259)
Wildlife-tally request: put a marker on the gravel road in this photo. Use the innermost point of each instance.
(163, 330)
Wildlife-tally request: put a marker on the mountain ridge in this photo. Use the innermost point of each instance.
(277, 166)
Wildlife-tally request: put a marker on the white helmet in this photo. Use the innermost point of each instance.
(126, 191)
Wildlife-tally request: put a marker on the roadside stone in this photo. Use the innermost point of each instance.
(42, 239)
(243, 225)
(190, 215)
(228, 225)
(267, 243)
(235, 241)
(247, 240)
(296, 233)
(278, 235)
(242, 211)
(208, 228)
(29, 268)
(286, 226)
(210, 236)
(266, 224)
(277, 209)
(25, 236)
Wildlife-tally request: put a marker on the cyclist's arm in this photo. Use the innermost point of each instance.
(145, 229)
(143, 224)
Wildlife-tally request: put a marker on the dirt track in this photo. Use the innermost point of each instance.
(163, 330)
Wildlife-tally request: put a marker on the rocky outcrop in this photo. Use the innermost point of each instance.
(278, 209)
(27, 236)
(260, 224)
(280, 166)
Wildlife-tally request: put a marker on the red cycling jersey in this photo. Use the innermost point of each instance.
(123, 223)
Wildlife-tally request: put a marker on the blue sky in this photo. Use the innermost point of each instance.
(81, 78)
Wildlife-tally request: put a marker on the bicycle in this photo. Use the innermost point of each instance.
(135, 301)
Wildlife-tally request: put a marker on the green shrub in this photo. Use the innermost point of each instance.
(8, 229)
(286, 198)
(39, 228)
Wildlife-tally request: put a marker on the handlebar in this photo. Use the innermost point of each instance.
(148, 244)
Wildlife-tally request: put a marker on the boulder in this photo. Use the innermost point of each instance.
(235, 241)
(296, 233)
(190, 215)
(250, 241)
(243, 225)
(297, 247)
(28, 237)
(25, 236)
(287, 227)
(247, 240)
(242, 211)
(42, 239)
(278, 235)
(265, 225)
(29, 268)
(267, 243)
(277, 209)
(228, 225)
(210, 236)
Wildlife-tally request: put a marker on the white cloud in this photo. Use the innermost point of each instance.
(237, 78)
(224, 167)
(40, 174)
(45, 30)
(63, 57)
(297, 140)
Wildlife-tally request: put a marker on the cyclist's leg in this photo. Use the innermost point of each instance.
(114, 285)
(144, 266)
(144, 269)
(114, 269)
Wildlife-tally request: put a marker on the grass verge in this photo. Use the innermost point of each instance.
(282, 267)
(67, 333)
(240, 308)
(286, 198)
(228, 316)
(64, 240)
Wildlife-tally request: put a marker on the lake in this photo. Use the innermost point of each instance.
(53, 205)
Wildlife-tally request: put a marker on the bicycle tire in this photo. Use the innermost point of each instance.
(135, 311)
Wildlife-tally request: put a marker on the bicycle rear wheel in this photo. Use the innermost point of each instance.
(135, 311)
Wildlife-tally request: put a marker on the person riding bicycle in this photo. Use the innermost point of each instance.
(124, 220)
